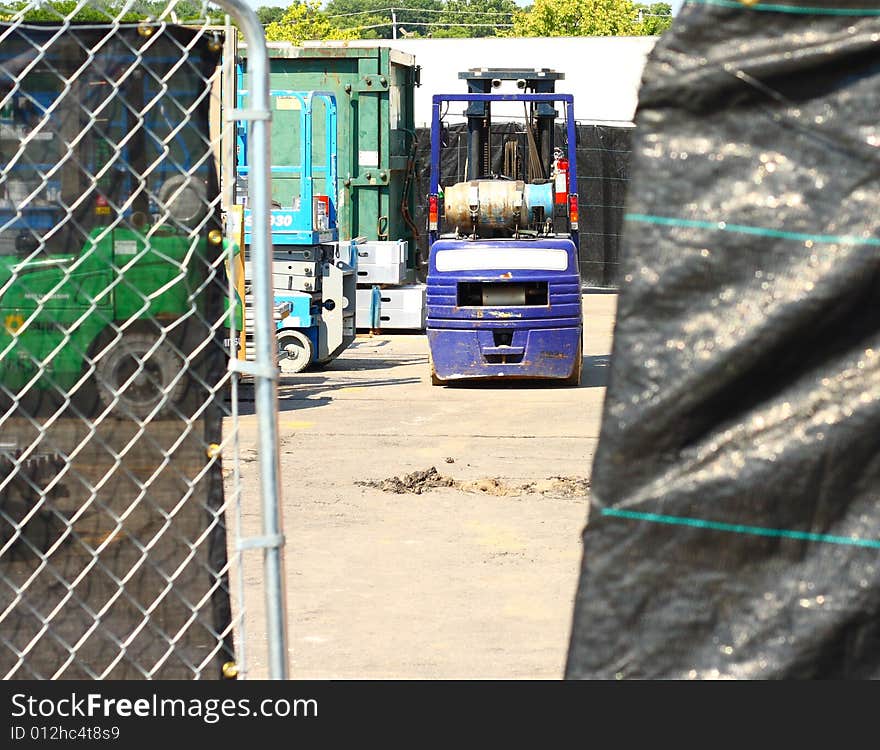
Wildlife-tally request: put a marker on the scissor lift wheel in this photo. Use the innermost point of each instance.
(295, 351)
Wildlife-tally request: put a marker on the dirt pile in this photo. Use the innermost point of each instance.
(419, 482)
(416, 483)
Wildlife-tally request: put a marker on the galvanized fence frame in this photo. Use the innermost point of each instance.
(265, 365)
(33, 478)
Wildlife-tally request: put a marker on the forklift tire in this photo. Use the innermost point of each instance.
(295, 351)
(149, 375)
(575, 377)
(434, 379)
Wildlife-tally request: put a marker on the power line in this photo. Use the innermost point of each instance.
(422, 23)
(358, 13)
(380, 11)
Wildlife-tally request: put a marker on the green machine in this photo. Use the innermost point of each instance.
(108, 236)
(376, 139)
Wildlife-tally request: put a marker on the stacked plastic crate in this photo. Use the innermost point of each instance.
(386, 296)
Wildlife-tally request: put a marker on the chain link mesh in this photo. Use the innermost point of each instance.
(118, 323)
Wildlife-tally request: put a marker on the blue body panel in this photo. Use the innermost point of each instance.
(297, 226)
(291, 227)
(302, 317)
(300, 310)
(544, 341)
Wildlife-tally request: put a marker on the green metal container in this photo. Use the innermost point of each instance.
(374, 89)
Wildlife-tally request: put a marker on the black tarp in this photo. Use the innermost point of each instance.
(733, 527)
(603, 154)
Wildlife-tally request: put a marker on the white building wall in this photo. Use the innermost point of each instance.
(602, 73)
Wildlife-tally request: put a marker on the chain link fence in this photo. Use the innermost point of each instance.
(120, 350)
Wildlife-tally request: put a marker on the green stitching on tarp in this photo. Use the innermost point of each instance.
(723, 226)
(740, 528)
(776, 8)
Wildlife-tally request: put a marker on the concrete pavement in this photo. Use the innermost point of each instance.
(450, 583)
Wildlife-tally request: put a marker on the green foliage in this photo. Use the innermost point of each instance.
(656, 18)
(269, 14)
(372, 19)
(61, 9)
(107, 11)
(304, 21)
(578, 18)
(475, 18)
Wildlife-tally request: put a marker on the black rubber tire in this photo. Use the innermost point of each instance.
(434, 379)
(575, 378)
(151, 387)
(299, 351)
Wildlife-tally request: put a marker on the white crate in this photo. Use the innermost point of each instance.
(382, 252)
(381, 262)
(401, 307)
(368, 273)
(296, 268)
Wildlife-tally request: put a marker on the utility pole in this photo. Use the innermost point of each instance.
(393, 23)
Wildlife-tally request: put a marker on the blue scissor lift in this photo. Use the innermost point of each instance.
(314, 273)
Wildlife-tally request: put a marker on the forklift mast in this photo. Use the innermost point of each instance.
(479, 115)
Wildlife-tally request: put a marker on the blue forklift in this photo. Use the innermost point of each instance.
(314, 272)
(503, 284)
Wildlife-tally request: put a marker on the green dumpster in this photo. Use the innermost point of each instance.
(376, 134)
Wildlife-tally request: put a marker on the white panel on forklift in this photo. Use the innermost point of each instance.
(519, 258)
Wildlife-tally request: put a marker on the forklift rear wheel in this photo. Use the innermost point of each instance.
(575, 377)
(295, 351)
(140, 376)
(434, 379)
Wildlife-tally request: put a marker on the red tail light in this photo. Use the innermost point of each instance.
(433, 212)
(573, 210)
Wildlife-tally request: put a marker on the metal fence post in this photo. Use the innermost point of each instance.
(266, 357)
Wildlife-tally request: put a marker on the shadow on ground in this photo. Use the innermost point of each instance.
(301, 391)
(353, 364)
(594, 375)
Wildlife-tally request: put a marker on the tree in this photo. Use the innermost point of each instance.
(56, 11)
(304, 21)
(374, 19)
(269, 14)
(360, 17)
(656, 18)
(103, 11)
(578, 18)
(475, 18)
